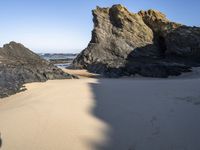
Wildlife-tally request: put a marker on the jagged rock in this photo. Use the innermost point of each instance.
(116, 33)
(158, 22)
(184, 42)
(145, 43)
(179, 40)
(19, 65)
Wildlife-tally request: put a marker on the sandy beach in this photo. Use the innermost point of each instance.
(99, 75)
(103, 114)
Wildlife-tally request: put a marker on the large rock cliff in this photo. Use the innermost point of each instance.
(19, 65)
(145, 43)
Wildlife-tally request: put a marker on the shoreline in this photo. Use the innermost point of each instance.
(84, 74)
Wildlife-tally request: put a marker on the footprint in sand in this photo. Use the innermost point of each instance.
(190, 99)
(156, 128)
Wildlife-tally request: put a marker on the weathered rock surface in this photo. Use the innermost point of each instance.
(19, 65)
(145, 43)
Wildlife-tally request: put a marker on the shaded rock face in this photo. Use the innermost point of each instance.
(19, 65)
(145, 43)
(173, 38)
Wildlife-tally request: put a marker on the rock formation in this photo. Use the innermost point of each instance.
(145, 43)
(19, 65)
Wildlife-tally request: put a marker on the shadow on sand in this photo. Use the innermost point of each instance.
(145, 114)
(0, 141)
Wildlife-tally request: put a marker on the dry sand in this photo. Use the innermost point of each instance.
(81, 73)
(103, 114)
(55, 115)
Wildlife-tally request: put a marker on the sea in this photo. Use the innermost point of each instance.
(65, 58)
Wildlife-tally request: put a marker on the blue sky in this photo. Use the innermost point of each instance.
(65, 26)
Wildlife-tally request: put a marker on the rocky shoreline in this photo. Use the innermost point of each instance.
(123, 44)
(19, 65)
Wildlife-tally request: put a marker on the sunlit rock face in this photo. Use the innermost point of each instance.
(145, 43)
(19, 65)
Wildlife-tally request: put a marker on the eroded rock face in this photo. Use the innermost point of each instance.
(145, 43)
(19, 65)
(116, 33)
(180, 40)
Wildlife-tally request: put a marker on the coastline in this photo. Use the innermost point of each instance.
(139, 89)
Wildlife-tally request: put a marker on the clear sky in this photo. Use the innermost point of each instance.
(65, 25)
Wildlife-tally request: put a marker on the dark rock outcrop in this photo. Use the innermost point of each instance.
(19, 65)
(145, 43)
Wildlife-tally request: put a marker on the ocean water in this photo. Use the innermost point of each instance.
(64, 65)
(61, 56)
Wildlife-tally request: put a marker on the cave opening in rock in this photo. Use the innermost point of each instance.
(162, 45)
